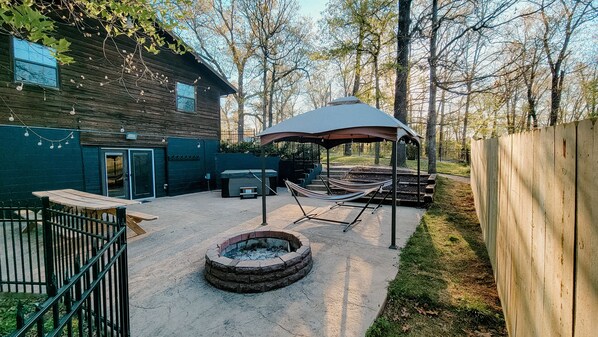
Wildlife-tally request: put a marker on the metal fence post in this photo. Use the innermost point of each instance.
(95, 271)
(20, 315)
(121, 220)
(48, 243)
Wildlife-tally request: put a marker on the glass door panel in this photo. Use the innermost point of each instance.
(116, 176)
(142, 174)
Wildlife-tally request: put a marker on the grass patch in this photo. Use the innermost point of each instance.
(340, 159)
(446, 167)
(444, 286)
(8, 309)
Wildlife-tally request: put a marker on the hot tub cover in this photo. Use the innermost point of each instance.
(252, 173)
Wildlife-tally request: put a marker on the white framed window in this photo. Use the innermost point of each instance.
(185, 97)
(34, 63)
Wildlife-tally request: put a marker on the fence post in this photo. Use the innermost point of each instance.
(68, 303)
(40, 322)
(95, 271)
(52, 291)
(78, 294)
(121, 220)
(48, 242)
(20, 316)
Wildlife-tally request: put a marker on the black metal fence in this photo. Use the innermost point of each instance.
(21, 265)
(79, 260)
(234, 137)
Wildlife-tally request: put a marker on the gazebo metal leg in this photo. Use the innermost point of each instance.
(393, 223)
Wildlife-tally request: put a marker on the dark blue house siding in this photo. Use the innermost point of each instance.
(26, 167)
(188, 164)
(160, 171)
(92, 169)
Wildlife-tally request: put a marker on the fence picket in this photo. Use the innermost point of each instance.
(541, 226)
(586, 272)
(58, 253)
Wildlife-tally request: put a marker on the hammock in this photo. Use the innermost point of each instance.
(297, 190)
(359, 187)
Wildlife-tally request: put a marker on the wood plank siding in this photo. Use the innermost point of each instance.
(106, 97)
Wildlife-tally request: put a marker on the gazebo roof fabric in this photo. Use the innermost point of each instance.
(344, 120)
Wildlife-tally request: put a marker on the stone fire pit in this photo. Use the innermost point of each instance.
(258, 261)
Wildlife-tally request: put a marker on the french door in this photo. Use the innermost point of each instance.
(128, 173)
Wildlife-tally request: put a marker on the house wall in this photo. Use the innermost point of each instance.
(105, 99)
(188, 164)
(26, 167)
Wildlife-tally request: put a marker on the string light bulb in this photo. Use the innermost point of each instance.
(59, 146)
(72, 136)
(122, 129)
(26, 134)
(198, 144)
(19, 87)
(52, 146)
(11, 118)
(163, 140)
(72, 112)
(66, 142)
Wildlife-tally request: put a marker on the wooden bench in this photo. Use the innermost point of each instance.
(33, 219)
(134, 218)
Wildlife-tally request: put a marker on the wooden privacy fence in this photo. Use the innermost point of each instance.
(536, 196)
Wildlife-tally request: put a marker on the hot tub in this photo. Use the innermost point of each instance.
(233, 180)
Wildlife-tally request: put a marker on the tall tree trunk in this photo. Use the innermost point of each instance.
(441, 126)
(555, 92)
(271, 96)
(464, 150)
(357, 79)
(377, 79)
(265, 93)
(532, 120)
(402, 72)
(240, 106)
(431, 125)
(494, 124)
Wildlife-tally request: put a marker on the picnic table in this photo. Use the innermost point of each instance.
(97, 205)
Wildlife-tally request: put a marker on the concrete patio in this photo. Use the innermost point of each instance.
(341, 296)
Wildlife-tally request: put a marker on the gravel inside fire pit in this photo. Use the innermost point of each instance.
(257, 249)
(256, 253)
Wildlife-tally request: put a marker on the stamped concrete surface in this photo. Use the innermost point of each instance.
(341, 296)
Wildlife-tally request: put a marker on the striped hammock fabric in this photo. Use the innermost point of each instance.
(359, 187)
(300, 191)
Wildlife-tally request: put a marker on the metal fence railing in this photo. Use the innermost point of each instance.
(234, 137)
(21, 263)
(78, 261)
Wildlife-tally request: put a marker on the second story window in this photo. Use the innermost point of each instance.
(185, 97)
(34, 63)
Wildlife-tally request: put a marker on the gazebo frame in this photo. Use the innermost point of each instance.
(357, 122)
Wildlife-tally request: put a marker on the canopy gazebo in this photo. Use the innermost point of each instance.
(344, 120)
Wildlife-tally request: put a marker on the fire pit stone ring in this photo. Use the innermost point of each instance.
(258, 261)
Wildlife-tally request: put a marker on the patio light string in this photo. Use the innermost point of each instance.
(71, 135)
(14, 116)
